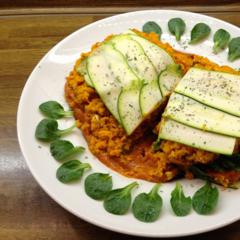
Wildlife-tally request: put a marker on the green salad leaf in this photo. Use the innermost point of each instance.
(156, 145)
(98, 185)
(199, 32)
(62, 149)
(222, 164)
(47, 130)
(234, 49)
(181, 205)
(226, 163)
(147, 206)
(205, 199)
(71, 171)
(53, 109)
(221, 39)
(200, 172)
(118, 201)
(151, 26)
(177, 27)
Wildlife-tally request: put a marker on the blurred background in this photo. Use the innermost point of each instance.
(108, 3)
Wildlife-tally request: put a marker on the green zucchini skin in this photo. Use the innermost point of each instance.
(135, 57)
(158, 56)
(129, 108)
(124, 72)
(150, 98)
(169, 78)
(202, 112)
(215, 89)
(195, 114)
(82, 70)
(193, 137)
(138, 61)
(109, 72)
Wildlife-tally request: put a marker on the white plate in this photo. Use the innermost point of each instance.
(47, 82)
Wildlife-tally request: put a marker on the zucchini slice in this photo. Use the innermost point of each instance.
(150, 95)
(216, 89)
(195, 114)
(158, 56)
(169, 78)
(150, 98)
(82, 70)
(128, 107)
(212, 142)
(109, 72)
(135, 57)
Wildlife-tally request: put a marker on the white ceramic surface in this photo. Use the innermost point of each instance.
(47, 82)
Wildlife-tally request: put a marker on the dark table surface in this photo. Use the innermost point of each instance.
(28, 29)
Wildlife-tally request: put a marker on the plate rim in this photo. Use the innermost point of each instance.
(38, 178)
